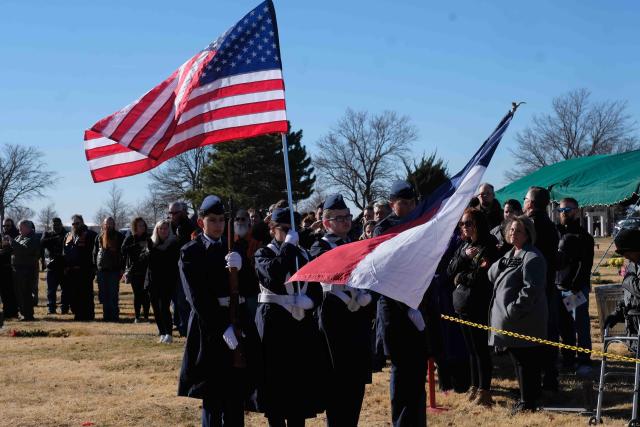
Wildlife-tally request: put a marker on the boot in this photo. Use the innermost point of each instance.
(484, 398)
(472, 393)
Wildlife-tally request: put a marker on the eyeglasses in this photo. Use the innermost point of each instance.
(342, 218)
(565, 210)
(467, 224)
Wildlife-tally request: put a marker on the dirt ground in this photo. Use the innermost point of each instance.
(104, 374)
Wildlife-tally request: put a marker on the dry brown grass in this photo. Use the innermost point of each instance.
(117, 375)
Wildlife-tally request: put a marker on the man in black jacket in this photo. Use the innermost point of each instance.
(182, 227)
(535, 207)
(7, 293)
(79, 268)
(52, 243)
(575, 259)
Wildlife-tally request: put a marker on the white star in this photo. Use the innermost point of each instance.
(245, 49)
(254, 25)
(259, 47)
(273, 45)
(269, 21)
(247, 32)
(242, 39)
(251, 42)
(246, 21)
(266, 40)
(253, 12)
(262, 28)
(215, 59)
(218, 69)
(268, 52)
(248, 61)
(239, 28)
(259, 17)
(229, 53)
(204, 73)
(271, 33)
(263, 59)
(208, 67)
(275, 57)
(239, 57)
(265, 9)
(254, 54)
(257, 35)
(233, 36)
(224, 61)
(233, 64)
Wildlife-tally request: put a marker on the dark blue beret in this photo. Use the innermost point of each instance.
(211, 205)
(334, 201)
(281, 216)
(627, 239)
(401, 190)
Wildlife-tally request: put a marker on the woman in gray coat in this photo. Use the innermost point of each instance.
(519, 305)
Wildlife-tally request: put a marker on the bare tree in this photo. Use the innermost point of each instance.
(362, 154)
(310, 204)
(152, 209)
(179, 178)
(19, 212)
(576, 127)
(23, 175)
(115, 207)
(46, 215)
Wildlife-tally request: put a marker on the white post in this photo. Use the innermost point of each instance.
(603, 228)
(589, 223)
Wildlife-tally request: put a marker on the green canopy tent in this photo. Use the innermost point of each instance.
(600, 180)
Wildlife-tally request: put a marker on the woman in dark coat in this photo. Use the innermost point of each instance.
(468, 270)
(135, 251)
(162, 275)
(107, 254)
(519, 304)
(295, 360)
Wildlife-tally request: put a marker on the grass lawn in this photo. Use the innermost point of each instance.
(118, 375)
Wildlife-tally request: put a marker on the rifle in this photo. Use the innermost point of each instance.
(239, 359)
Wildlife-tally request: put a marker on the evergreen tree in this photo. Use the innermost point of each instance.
(427, 174)
(250, 172)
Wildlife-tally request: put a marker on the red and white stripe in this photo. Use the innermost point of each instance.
(175, 117)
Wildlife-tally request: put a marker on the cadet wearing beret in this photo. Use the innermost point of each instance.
(345, 320)
(295, 359)
(402, 331)
(209, 369)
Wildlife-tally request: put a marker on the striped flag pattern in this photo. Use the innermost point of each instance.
(233, 89)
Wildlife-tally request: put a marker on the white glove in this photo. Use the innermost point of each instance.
(230, 338)
(234, 260)
(292, 237)
(363, 299)
(304, 302)
(416, 317)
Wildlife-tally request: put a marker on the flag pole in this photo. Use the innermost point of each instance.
(287, 173)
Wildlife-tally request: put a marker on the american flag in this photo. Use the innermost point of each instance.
(232, 89)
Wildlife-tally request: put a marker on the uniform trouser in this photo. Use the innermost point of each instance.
(181, 310)
(408, 394)
(480, 365)
(344, 403)
(24, 280)
(228, 409)
(161, 312)
(54, 280)
(550, 354)
(571, 326)
(109, 288)
(526, 361)
(8, 293)
(80, 287)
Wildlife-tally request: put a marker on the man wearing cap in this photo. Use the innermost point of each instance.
(402, 331)
(627, 243)
(345, 319)
(294, 352)
(221, 355)
(52, 243)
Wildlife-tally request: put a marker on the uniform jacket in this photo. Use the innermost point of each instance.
(207, 363)
(519, 302)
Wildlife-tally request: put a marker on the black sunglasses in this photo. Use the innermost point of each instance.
(467, 224)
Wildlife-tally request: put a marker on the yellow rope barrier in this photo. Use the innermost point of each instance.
(542, 341)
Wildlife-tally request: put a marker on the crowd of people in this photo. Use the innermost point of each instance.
(294, 350)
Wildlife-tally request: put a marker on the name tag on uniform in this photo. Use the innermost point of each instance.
(574, 300)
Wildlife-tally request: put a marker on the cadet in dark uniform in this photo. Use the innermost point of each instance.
(402, 330)
(295, 359)
(211, 369)
(345, 320)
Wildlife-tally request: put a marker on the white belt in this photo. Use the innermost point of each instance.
(294, 304)
(226, 301)
(357, 298)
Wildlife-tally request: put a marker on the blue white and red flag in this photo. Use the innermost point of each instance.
(402, 262)
(232, 89)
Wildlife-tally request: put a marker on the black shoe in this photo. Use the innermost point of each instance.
(28, 319)
(64, 311)
(51, 311)
(522, 407)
